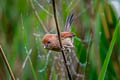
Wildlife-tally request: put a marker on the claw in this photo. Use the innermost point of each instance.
(63, 48)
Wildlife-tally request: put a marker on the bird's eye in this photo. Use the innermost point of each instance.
(48, 42)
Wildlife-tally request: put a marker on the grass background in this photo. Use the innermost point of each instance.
(21, 33)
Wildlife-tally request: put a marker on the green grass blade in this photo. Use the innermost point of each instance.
(33, 71)
(109, 53)
(27, 51)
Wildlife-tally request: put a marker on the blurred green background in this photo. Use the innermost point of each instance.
(97, 41)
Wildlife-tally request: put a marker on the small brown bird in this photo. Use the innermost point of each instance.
(51, 42)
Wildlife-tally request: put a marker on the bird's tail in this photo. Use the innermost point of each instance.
(69, 22)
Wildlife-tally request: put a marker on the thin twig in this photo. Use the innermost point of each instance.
(45, 10)
(6, 63)
(36, 14)
(60, 41)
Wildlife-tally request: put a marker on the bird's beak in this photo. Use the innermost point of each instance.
(45, 46)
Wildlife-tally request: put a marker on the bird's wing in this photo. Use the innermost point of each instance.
(67, 34)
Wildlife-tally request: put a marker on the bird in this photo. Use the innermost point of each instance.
(51, 41)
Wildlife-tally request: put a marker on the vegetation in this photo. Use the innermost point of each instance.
(96, 25)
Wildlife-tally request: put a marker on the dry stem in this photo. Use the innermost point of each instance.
(6, 63)
(36, 14)
(60, 41)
